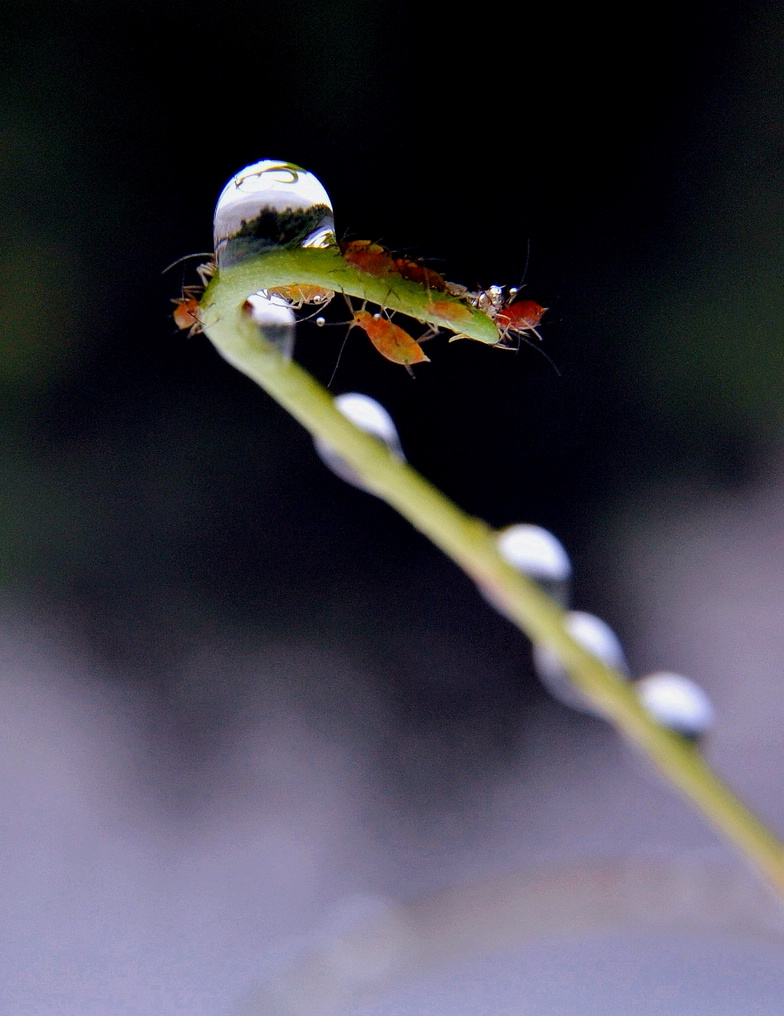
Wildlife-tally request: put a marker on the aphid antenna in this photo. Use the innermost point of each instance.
(351, 310)
(187, 257)
(523, 339)
(190, 293)
(514, 291)
(351, 323)
(340, 353)
(521, 283)
(381, 312)
(432, 333)
(420, 260)
(423, 259)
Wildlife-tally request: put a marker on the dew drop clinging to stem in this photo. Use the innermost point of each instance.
(676, 702)
(370, 416)
(598, 638)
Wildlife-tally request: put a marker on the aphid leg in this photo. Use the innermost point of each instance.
(207, 271)
(432, 332)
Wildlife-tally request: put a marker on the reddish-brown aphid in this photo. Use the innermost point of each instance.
(376, 260)
(390, 339)
(519, 317)
(415, 272)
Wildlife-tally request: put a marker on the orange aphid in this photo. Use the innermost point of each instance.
(449, 310)
(187, 312)
(390, 339)
(368, 257)
(300, 294)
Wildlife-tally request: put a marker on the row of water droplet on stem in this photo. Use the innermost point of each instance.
(673, 700)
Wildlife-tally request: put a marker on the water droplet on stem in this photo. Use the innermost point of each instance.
(370, 416)
(594, 635)
(268, 205)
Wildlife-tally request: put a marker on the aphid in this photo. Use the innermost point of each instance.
(516, 318)
(449, 310)
(392, 341)
(187, 311)
(376, 260)
(416, 272)
(368, 257)
(300, 294)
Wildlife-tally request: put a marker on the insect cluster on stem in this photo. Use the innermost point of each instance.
(277, 206)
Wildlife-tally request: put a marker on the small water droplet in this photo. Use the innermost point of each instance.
(538, 554)
(598, 638)
(676, 702)
(370, 416)
(271, 204)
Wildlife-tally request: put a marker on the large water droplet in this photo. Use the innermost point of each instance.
(271, 204)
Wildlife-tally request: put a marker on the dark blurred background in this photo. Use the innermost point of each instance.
(156, 502)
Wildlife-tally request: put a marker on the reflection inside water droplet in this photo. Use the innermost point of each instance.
(271, 204)
(275, 319)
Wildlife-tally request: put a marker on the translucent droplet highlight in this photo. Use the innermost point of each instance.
(535, 552)
(275, 318)
(676, 702)
(271, 205)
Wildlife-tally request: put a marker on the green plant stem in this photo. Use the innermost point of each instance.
(324, 266)
(471, 545)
